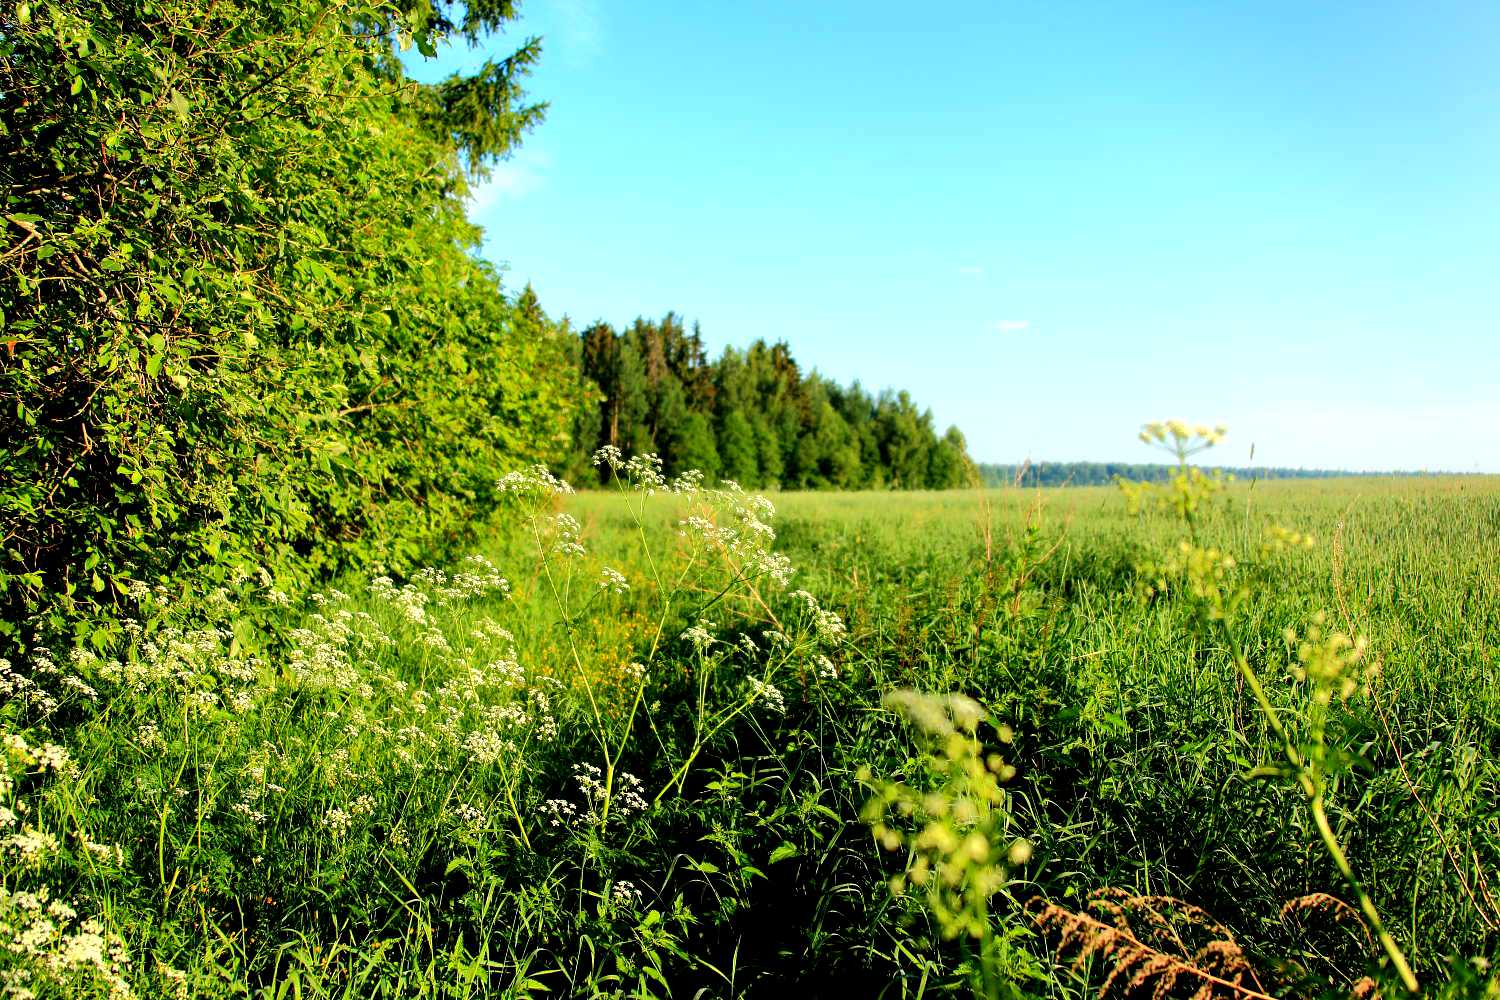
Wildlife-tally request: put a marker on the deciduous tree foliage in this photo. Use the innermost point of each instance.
(242, 317)
(753, 416)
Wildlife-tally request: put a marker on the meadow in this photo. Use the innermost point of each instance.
(316, 682)
(667, 740)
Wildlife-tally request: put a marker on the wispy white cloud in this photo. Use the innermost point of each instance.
(581, 30)
(509, 180)
(972, 270)
(1012, 325)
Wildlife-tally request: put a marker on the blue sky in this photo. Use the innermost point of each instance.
(1050, 222)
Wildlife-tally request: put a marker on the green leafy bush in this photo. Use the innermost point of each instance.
(241, 318)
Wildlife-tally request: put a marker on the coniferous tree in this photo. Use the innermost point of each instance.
(739, 458)
(694, 447)
(633, 387)
(753, 416)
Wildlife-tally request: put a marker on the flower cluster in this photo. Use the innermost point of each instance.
(334, 651)
(642, 473)
(625, 896)
(560, 813)
(609, 457)
(1175, 436)
(56, 951)
(201, 666)
(700, 635)
(1331, 664)
(627, 796)
(409, 600)
(478, 578)
(24, 692)
(538, 481)
(957, 829)
(568, 535)
(1205, 574)
(828, 626)
(468, 816)
(764, 693)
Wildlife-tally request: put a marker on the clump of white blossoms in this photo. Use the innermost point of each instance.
(478, 578)
(699, 634)
(21, 690)
(337, 822)
(764, 693)
(56, 953)
(470, 817)
(202, 666)
(533, 482)
(30, 847)
(568, 535)
(827, 624)
(746, 541)
(627, 797)
(687, 483)
(560, 813)
(609, 457)
(409, 600)
(625, 895)
(149, 739)
(614, 580)
(644, 473)
(46, 757)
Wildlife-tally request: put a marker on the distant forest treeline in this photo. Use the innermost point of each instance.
(753, 415)
(1103, 473)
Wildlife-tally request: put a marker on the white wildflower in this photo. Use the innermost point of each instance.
(625, 895)
(644, 473)
(699, 634)
(337, 822)
(468, 816)
(762, 692)
(559, 812)
(31, 846)
(609, 456)
(536, 481)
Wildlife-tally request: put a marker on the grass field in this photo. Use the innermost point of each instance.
(682, 777)
(1134, 731)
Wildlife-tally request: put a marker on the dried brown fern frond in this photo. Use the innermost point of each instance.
(1169, 922)
(1324, 905)
(1336, 934)
(1137, 968)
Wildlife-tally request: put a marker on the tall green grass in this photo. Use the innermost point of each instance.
(656, 783)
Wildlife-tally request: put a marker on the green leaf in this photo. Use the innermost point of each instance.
(784, 851)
